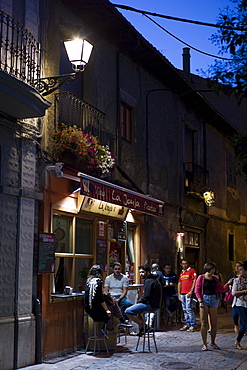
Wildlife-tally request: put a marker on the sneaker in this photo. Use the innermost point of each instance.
(185, 327)
(191, 329)
(141, 332)
(125, 324)
(104, 333)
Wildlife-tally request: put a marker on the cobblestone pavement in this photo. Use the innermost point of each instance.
(176, 350)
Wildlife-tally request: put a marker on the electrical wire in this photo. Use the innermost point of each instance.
(185, 43)
(144, 12)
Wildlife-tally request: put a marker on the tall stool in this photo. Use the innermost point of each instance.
(95, 335)
(149, 319)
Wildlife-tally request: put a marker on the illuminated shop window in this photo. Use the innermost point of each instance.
(74, 250)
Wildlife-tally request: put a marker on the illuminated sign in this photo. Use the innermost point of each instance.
(116, 195)
(103, 208)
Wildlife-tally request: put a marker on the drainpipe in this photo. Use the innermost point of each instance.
(17, 259)
(186, 60)
(38, 335)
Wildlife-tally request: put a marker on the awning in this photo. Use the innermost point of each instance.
(107, 192)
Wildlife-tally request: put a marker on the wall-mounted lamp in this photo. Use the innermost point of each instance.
(208, 197)
(78, 51)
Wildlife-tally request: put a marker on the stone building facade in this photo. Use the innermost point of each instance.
(171, 142)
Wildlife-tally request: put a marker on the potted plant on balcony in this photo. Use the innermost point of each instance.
(82, 151)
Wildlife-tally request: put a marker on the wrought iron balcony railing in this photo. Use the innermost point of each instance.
(195, 178)
(20, 53)
(71, 110)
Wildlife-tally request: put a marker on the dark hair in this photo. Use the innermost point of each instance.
(184, 259)
(116, 264)
(155, 266)
(95, 271)
(239, 262)
(167, 264)
(208, 266)
(245, 265)
(144, 267)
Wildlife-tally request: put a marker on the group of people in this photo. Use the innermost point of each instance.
(101, 303)
(206, 288)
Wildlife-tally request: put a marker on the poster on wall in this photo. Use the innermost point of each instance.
(47, 243)
(115, 253)
(101, 254)
(101, 228)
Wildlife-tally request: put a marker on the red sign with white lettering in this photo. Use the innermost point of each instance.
(102, 190)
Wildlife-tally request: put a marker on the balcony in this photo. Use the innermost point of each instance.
(195, 179)
(71, 110)
(20, 60)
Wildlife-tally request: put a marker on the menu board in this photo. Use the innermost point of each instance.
(122, 230)
(101, 254)
(47, 243)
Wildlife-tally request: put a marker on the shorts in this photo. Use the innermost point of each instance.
(210, 300)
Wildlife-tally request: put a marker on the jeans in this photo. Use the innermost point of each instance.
(123, 304)
(235, 315)
(189, 315)
(242, 311)
(138, 308)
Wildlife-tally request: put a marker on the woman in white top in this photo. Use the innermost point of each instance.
(239, 290)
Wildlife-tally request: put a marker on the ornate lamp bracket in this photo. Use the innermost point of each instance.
(47, 85)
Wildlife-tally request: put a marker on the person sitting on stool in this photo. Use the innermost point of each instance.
(150, 299)
(116, 285)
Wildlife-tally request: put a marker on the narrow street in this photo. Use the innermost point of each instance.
(176, 350)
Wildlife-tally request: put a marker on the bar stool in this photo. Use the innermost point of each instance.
(149, 319)
(122, 332)
(95, 335)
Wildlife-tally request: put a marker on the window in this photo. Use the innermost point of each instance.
(84, 231)
(74, 249)
(126, 117)
(231, 247)
(231, 170)
(191, 239)
(189, 144)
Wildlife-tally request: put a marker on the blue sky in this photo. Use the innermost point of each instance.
(195, 35)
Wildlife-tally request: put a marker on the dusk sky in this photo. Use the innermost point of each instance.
(195, 35)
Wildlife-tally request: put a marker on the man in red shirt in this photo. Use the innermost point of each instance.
(186, 284)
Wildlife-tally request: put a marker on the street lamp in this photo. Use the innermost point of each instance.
(78, 51)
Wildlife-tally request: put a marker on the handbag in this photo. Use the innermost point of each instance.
(194, 302)
(228, 296)
(108, 299)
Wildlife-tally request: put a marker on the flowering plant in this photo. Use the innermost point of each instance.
(82, 151)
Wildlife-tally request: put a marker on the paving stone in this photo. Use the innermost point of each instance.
(176, 350)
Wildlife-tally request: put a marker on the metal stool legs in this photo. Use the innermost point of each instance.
(96, 336)
(150, 319)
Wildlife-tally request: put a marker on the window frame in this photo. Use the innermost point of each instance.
(126, 125)
(73, 257)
